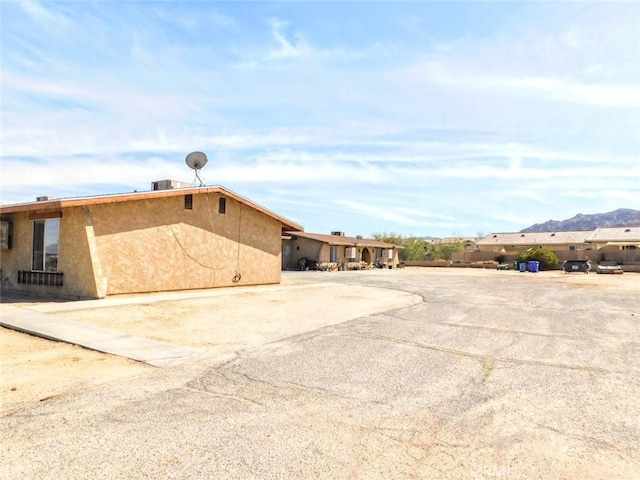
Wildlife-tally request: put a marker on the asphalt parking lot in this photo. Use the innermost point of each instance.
(490, 375)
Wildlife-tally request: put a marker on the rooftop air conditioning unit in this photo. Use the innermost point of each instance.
(337, 234)
(168, 184)
(44, 198)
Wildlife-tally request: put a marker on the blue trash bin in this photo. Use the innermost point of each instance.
(523, 267)
(534, 266)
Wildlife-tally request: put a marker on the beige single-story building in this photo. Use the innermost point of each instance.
(621, 244)
(173, 239)
(615, 238)
(617, 244)
(501, 243)
(336, 250)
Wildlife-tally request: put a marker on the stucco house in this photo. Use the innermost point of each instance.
(517, 242)
(621, 244)
(618, 238)
(335, 249)
(172, 239)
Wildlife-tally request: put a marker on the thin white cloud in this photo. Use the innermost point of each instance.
(287, 48)
(439, 72)
(398, 215)
(520, 116)
(45, 16)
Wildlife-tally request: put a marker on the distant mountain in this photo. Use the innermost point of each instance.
(623, 217)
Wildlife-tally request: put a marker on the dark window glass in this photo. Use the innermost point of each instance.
(38, 245)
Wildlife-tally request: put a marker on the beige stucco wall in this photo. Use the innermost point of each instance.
(73, 257)
(301, 248)
(154, 245)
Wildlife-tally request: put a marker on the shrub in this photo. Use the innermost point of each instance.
(546, 257)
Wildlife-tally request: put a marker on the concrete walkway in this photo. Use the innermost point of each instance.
(95, 338)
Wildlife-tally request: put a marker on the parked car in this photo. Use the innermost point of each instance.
(609, 267)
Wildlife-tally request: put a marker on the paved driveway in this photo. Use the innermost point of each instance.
(494, 375)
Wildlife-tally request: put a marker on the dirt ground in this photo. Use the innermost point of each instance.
(35, 370)
(218, 322)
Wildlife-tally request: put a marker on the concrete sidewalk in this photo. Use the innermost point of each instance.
(95, 338)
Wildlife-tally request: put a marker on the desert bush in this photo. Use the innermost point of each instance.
(547, 258)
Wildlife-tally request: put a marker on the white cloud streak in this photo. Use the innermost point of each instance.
(415, 128)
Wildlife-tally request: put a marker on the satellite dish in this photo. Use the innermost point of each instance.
(197, 160)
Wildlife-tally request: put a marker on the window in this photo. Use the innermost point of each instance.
(188, 202)
(45, 245)
(333, 253)
(5, 235)
(222, 205)
(627, 247)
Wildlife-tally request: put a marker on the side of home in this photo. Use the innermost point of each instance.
(337, 250)
(140, 242)
(621, 244)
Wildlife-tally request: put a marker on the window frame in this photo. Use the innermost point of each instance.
(333, 253)
(41, 238)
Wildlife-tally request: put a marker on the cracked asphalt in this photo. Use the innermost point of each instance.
(494, 375)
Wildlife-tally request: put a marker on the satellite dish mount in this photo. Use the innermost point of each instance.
(197, 160)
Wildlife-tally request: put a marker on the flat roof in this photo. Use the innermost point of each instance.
(59, 203)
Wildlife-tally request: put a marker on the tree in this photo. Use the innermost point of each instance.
(415, 248)
(444, 251)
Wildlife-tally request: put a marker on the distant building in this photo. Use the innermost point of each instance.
(517, 242)
(617, 244)
(618, 238)
(168, 239)
(335, 249)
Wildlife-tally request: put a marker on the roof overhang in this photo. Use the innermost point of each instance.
(57, 204)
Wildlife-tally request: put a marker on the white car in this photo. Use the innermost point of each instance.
(609, 267)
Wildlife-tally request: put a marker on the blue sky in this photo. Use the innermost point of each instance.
(420, 118)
